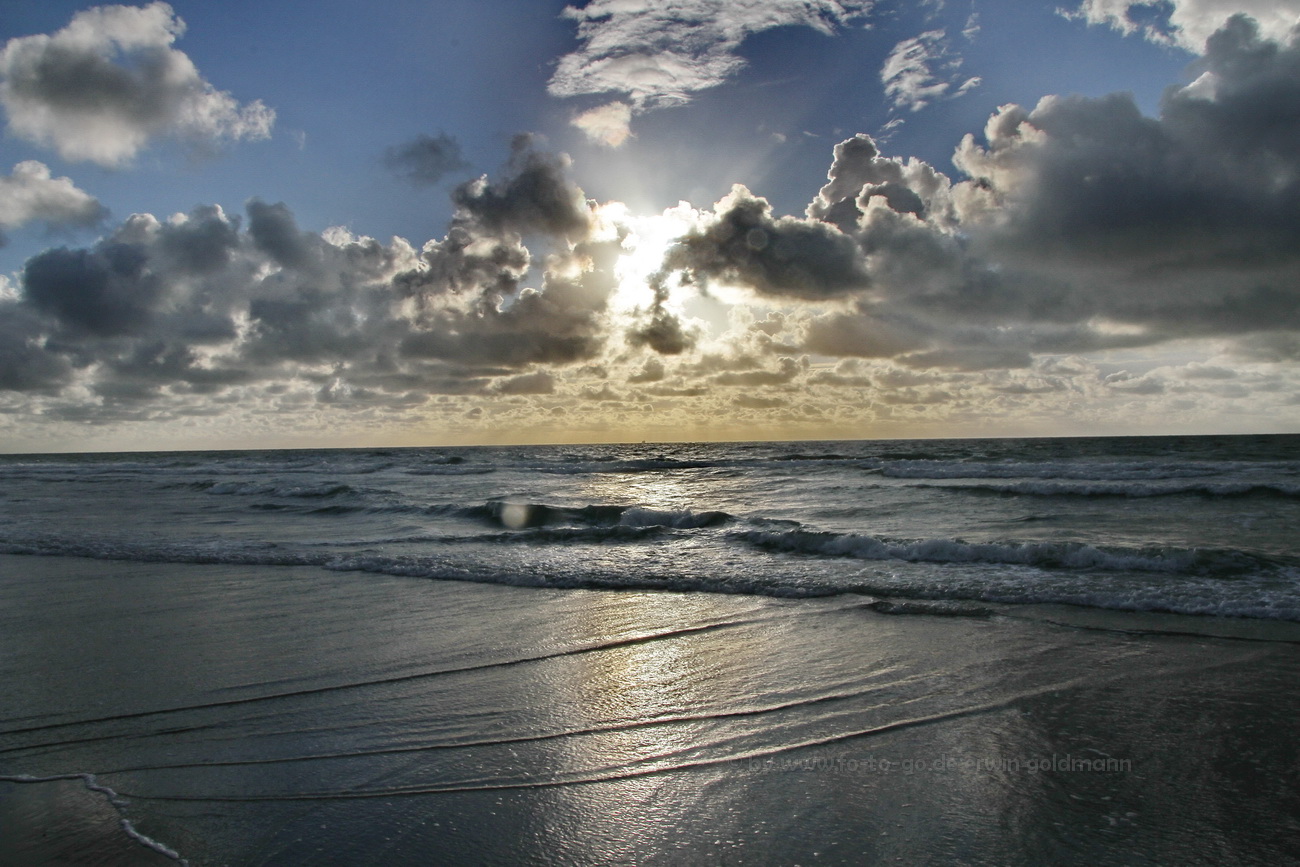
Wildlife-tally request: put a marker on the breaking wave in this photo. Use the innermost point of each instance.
(1047, 555)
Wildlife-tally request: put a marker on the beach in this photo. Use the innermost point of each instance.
(254, 716)
(955, 652)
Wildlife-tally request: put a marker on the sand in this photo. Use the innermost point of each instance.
(296, 716)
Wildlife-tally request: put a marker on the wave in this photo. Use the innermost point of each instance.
(1048, 555)
(521, 515)
(115, 800)
(451, 470)
(1223, 583)
(1075, 470)
(1217, 490)
(323, 491)
(538, 536)
(516, 515)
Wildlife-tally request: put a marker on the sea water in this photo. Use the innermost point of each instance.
(1192, 525)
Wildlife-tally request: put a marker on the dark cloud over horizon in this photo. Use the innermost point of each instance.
(210, 300)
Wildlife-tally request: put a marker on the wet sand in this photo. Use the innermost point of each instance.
(244, 716)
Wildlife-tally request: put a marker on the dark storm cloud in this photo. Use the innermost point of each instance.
(106, 291)
(205, 243)
(25, 364)
(535, 196)
(426, 159)
(663, 332)
(307, 328)
(1213, 184)
(275, 232)
(744, 245)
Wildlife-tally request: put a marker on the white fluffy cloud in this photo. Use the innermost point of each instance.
(103, 87)
(30, 194)
(1188, 23)
(657, 53)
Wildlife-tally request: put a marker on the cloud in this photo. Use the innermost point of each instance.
(30, 195)
(1188, 23)
(859, 172)
(181, 311)
(1075, 226)
(104, 292)
(659, 54)
(663, 332)
(559, 324)
(742, 244)
(426, 160)
(608, 124)
(108, 83)
(651, 371)
(787, 370)
(540, 382)
(1082, 225)
(1185, 224)
(534, 196)
(26, 365)
(922, 70)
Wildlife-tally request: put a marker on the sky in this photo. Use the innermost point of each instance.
(425, 222)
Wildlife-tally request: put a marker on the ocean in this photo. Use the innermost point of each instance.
(1080, 650)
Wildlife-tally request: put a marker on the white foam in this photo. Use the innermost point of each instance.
(116, 801)
(1070, 555)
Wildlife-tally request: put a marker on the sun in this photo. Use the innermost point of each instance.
(645, 244)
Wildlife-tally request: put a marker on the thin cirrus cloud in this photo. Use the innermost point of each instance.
(657, 54)
(106, 85)
(922, 70)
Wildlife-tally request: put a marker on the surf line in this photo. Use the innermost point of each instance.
(116, 801)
